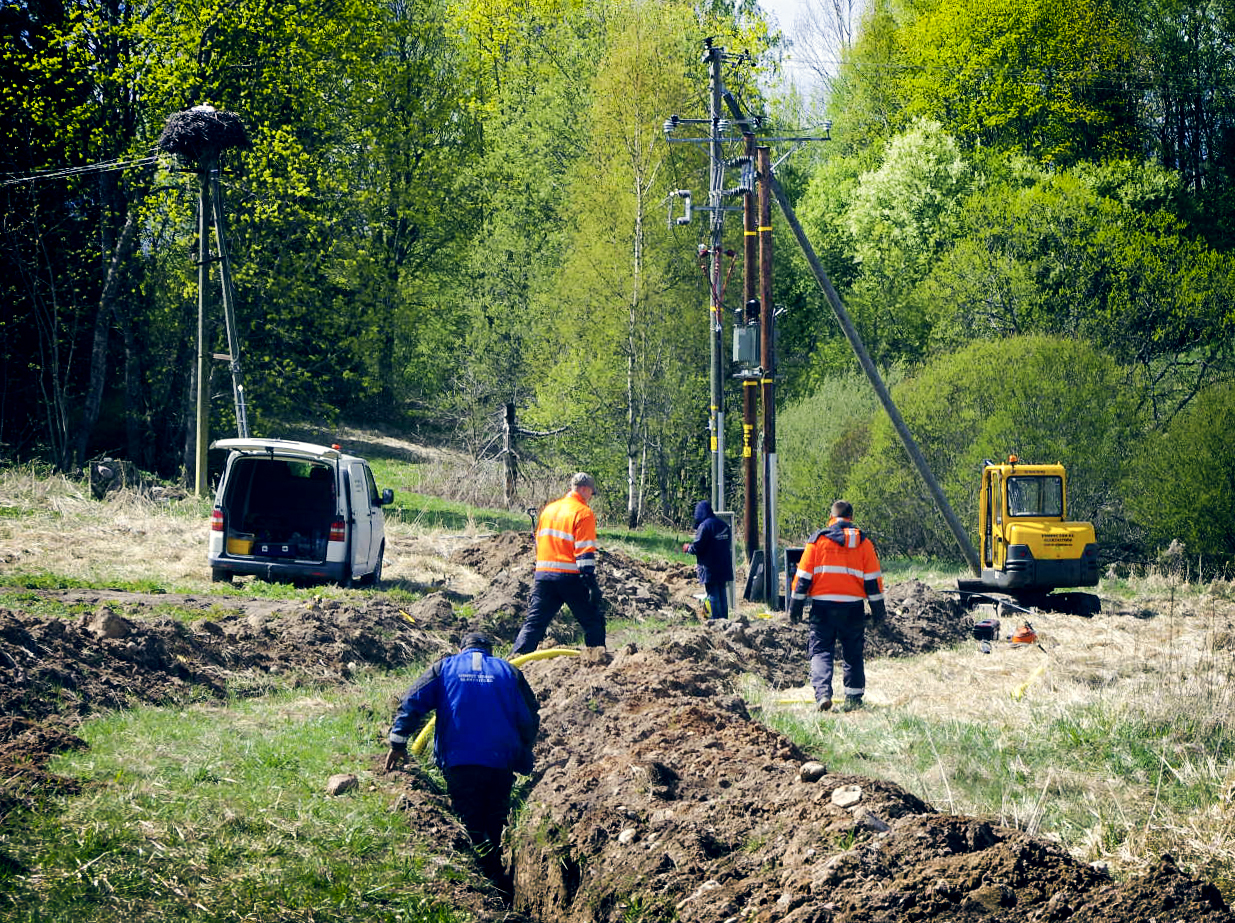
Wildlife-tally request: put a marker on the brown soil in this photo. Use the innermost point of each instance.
(657, 794)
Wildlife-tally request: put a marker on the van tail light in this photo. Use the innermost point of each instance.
(216, 520)
(338, 531)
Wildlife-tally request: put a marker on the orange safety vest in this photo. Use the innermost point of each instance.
(843, 572)
(566, 538)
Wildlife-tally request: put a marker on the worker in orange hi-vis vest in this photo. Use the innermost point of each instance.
(565, 569)
(838, 569)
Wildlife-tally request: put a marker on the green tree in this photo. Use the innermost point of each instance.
(626, 357)
(1047, 77)
(534, 91)
(1181, 485)
(1189, 111)
(901, 217)
(69, 109)
(867, 96)
(819, 439)
(1091, 253)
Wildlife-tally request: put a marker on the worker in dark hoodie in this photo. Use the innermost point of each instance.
(713, 551)
(837, 571)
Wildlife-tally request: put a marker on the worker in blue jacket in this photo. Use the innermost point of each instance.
(487, 722)
(713, 551)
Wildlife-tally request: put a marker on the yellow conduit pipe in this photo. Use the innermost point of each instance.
(422, 739)
(1019, 692)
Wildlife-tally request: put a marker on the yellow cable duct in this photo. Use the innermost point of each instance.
(422, 739)
(1019, 692)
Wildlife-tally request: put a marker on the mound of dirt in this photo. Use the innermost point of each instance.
(633, 590)
(657, 797)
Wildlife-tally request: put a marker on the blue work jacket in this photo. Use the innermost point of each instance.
(487, 714)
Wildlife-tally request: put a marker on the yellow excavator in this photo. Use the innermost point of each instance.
(1027, 545)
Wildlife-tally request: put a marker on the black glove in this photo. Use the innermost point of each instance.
(795, 611)
(396, 757)
(594, 596)
(877, 612)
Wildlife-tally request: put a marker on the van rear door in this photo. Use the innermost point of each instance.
(366, 517)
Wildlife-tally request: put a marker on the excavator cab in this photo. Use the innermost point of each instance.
(1028, 547)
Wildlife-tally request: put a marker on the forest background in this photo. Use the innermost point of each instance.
(448, 207)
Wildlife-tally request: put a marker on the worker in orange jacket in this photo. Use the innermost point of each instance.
(838, 569)
(565, 569)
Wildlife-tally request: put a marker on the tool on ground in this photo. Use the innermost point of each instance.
(1024, 634)
(986, 631)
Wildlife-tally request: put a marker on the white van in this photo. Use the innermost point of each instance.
(292, 512)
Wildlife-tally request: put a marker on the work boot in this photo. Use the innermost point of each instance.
(852, 703)
(825, 704)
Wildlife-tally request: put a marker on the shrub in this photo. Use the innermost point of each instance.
(1182, 485)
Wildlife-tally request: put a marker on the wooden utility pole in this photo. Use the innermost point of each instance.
(750, 383)
(199, 135)
(229, 307)
(767, 354)
(509, 430)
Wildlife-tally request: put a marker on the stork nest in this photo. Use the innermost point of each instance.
(199, 133)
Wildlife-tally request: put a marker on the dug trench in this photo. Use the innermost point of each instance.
(658, 793)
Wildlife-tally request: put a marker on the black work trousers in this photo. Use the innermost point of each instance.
(480, 795)
(548, 596)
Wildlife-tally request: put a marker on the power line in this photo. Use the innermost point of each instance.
(103, 166)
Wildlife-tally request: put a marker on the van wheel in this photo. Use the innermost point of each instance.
(219, 575)
(375, 578)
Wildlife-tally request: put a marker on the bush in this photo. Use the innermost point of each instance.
(818, 441)
(1182, 486)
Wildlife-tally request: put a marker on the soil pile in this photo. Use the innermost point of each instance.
(659, 798)
(53, 672)
(633, 590)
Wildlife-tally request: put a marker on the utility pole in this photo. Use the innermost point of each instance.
(767, 361)
(716, 188)
(750, 381)
(755, 357)
(717, 129)
(199, 135)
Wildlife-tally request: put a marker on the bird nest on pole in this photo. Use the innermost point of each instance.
(201, 132)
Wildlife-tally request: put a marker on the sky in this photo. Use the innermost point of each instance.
(786, 13)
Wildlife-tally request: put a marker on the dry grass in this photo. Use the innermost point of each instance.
(54, 525)
(1113, 733)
